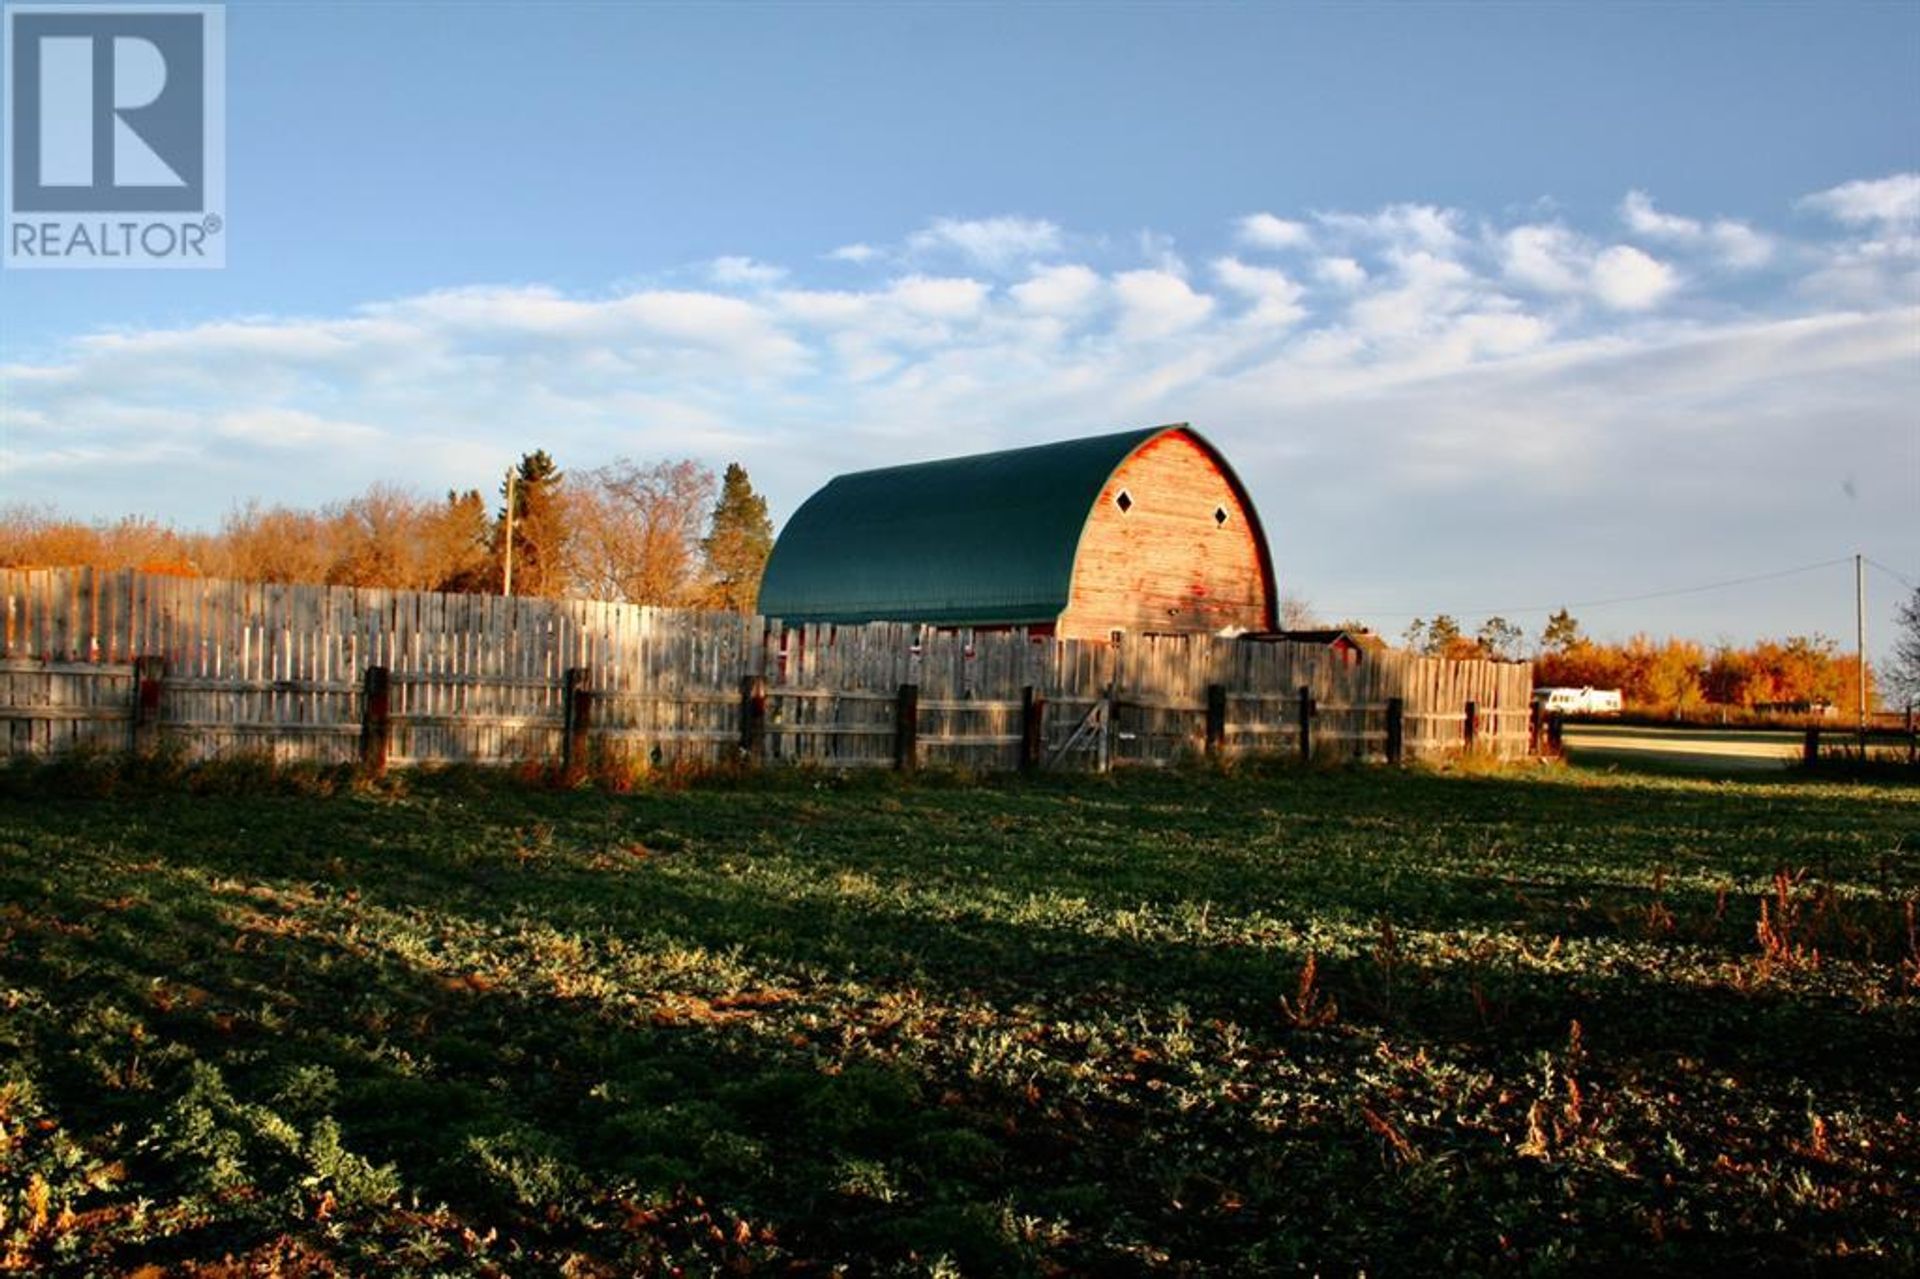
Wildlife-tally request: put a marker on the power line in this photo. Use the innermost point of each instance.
(1893, 573)
(1647, 595)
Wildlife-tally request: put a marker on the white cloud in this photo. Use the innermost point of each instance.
(1732, 243)
(280, 427)
(823, 307)
(1404, 227)
(1342, 273)
(856, 253)
(1548, 258)
(1879, 263)
(1637, 211)
(1059, 291)
(1276, 299)
(1157, 251)
(1739, 245)
(1427, 289)
(994, 243)
(1889, 200)
(1157, 304)
(1873, 272)
(745, 272)
(1532, 375)
(1265, 231)
(1627, 279)
(939, 298)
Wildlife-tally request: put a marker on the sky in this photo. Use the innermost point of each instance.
(1494, 308)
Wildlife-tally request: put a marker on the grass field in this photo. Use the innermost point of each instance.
(1411, 1023)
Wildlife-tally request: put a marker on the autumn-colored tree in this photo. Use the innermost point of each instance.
(454, 544)
(1733, 678)
(1584, 665)
(539, 526)
(373, 537)
(738, 541)
(1676, 675)
(272, 544)
(637, 531)
(38, 537)
(1668, 675)
(391, 537)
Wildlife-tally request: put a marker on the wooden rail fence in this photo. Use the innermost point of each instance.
(113, 660)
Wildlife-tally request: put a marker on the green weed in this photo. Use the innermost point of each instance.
(1208, 1020)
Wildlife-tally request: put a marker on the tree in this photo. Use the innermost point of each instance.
(539, 526)
(1670, 677)
(373, 535)
(1561, 633)
(1440, 638)
(1296, 613)
(1443, 632)
(1903, 677)
(1734, 678)
(637, 531)
(453, 543)
(1499, 638)
(737, 543)
(273, 544)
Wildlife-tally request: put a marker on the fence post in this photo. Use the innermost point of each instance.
(376, 719)
(1396, 729)
(1110, 707)
(1810, 748)
(1306, 723)
(1216, 718)
(753, 717)
(1557, 734)
(906, 728)
(1033, 728)
(149, 673)
(1473, 725)
(578, 710)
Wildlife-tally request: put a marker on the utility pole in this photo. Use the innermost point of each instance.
(506, 583)
(1860, 639)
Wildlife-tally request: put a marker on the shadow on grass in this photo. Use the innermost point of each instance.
(734, 999)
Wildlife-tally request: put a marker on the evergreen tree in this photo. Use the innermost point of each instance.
(737, 543)
(456, 537)
(1561, 633)
(1443, 632)
(1500, 638)
(539, 526)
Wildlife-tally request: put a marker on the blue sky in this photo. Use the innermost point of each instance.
(1495, 307)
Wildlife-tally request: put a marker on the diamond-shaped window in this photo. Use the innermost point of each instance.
(1123, 500)
(1220, 516)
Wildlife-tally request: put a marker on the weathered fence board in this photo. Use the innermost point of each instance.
(282, 669)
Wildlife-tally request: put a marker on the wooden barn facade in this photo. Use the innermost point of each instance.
(1145, 532)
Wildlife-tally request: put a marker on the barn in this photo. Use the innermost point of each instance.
(1143, 532)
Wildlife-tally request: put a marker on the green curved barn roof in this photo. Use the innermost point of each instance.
(989, 538)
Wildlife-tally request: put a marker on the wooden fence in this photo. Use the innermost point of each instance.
(113, 660)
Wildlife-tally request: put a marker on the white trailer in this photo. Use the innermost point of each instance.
(1578, 701)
